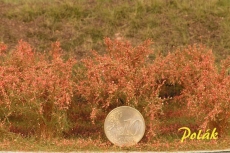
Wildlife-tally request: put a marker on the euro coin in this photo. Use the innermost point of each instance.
(124, 126)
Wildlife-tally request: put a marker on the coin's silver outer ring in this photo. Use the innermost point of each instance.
(144, 128)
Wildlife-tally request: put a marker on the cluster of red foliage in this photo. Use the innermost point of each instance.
(41, 87)
(121, 77)
(35, 87)
(206, 89)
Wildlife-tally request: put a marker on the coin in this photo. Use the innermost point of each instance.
(124, 126)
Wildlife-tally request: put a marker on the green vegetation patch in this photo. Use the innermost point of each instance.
(81, 26)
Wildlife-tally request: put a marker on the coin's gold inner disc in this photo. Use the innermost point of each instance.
(124, 126)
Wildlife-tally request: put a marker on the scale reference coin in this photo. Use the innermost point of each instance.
(124, 126)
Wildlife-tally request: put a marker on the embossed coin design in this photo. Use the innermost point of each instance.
(124, 126)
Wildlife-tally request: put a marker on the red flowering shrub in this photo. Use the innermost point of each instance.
(35, 90)
(205, 92)
(121, 77)
(211, 99)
